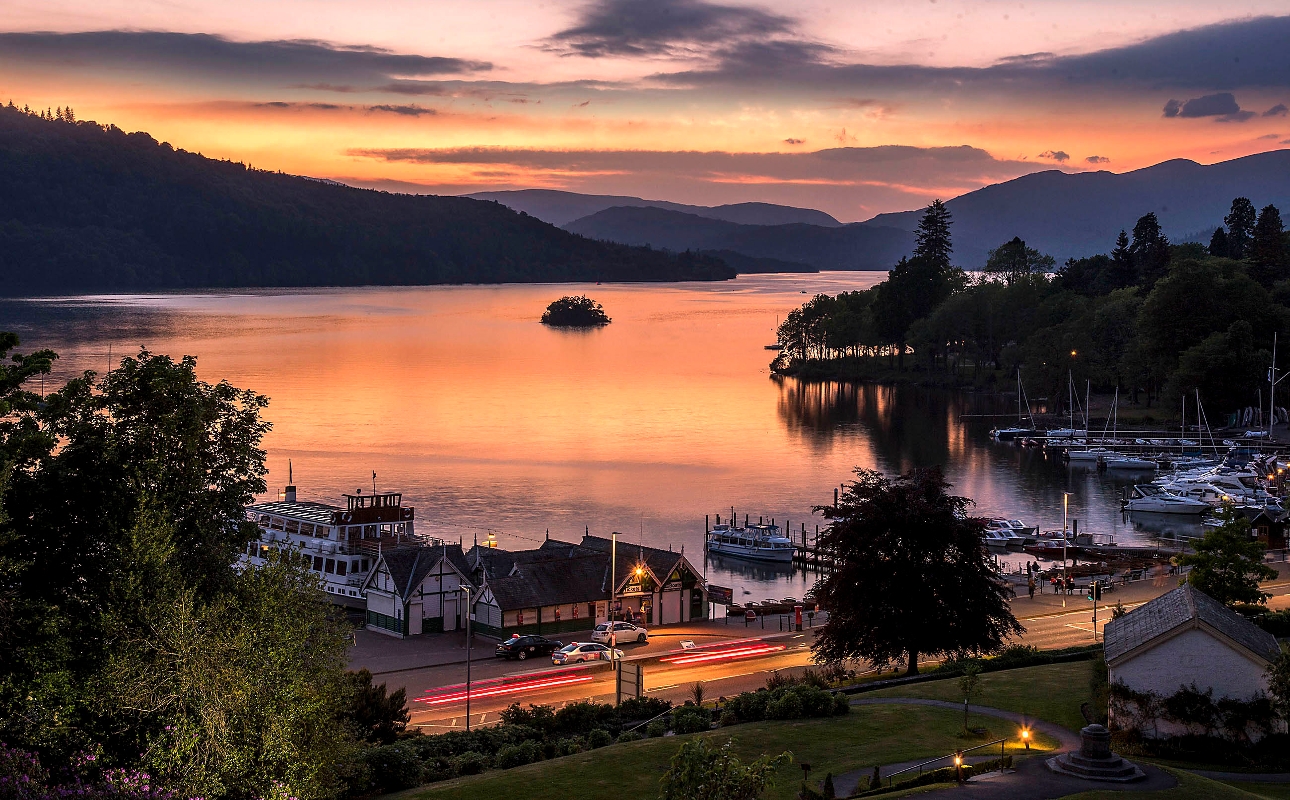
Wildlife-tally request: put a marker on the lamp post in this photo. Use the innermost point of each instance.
(613, 592)
(466, 589)
(1066, 496)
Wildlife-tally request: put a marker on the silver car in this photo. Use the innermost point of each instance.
(579, 652)
(623, 632)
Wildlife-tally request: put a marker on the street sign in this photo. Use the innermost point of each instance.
(630, 680)
(720, 595)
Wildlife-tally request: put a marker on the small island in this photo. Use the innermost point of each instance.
(575, 312)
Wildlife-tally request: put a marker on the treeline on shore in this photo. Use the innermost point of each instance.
(1152, 319)
(87, 207)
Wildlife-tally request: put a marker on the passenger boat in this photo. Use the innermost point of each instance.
(755, 542)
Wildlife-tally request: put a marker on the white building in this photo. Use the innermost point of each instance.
(341, 544)
(417, 589)
(1180, 639)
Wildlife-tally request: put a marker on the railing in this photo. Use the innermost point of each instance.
(955, 754)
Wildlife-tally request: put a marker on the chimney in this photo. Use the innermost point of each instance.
(290, 493)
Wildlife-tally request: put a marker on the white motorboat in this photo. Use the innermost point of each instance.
(1001, 532)
(1155, 500)
(756, 542)
(1090, 456)
(1130, 462)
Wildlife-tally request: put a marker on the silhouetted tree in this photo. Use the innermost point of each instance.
(1228, 562)
(1218, 244)
(912, 575)
(376, 715)
(932, 238)
(1266, 248)
(1240, 227)
(1013, 260)
(1150, 250)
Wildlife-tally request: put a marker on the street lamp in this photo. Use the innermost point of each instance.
(466, 589)
(1025, 737)
(1066, 496)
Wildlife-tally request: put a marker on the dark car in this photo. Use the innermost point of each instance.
(522, 647)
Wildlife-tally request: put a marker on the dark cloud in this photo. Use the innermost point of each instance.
(583, 104)
(1098, 160)
(407, 111)
(188, 55)
(1222, 106)
(1248, 53)
(1060, 156)
(300, 106)
(1278, 110)
(663, 27)
(1270, 136)
(794, 141)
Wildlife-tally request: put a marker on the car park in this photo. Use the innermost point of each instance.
(623, 632)
(523, 647)
(579, 652)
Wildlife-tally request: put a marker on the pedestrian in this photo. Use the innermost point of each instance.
(1030, 585)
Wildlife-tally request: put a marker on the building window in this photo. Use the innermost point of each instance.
(365, 566)
(306, 529)
(292, 526)
(331, 566)
(340, 568)
(318, 563)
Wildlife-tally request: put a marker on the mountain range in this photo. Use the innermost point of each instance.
(87, 207)
(1066, 215)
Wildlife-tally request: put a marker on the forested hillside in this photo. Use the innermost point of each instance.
(87, 207)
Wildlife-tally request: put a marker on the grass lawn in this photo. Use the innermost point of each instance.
(1051, 692)
(1190, 787)
(1272, 791)
(865, 737)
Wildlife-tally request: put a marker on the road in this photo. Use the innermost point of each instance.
(436, 694)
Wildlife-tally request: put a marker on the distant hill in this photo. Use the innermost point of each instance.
(748, 265)
(857, 246)
(562, 208)
(1075, 215)
(90, 208)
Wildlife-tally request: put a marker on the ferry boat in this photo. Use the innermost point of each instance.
(756, 542)
(339, 543)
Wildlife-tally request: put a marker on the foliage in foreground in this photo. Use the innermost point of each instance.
(912, 575)
(701, 772)
(125, 631)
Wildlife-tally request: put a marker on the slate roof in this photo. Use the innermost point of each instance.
(660, 562)
(575, 578)
(409, 566)
(1185, 607)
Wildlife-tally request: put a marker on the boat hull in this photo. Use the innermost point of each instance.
(777, 555)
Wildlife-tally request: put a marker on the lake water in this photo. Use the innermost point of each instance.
(489, 422)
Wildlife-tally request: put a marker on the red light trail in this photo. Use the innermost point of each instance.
(454, 694)
(722, 655)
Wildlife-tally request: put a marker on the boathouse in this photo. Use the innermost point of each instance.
(417, 589)
(564, 586)
(1180, 640)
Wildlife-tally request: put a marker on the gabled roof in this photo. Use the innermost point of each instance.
(1175, 611)
(659, 562)
(409, 566)
(579, 578)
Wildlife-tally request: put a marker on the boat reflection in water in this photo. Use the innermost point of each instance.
(768, 571)
(1169, 527)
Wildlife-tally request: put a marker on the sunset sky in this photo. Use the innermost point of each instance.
(853, 107)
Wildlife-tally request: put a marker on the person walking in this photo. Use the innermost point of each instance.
(1030, 585)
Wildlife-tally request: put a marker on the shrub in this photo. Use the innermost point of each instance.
(629, 736)
(577, 717)
(750, 706)
(729, 718)
(599, 738)
(787, 706)
(517, 755)
(469, 763)
(541, 718)
(691, 719)
(639, 709)
(656, 728)
(393, 767)
(570, 745)
(841, 704)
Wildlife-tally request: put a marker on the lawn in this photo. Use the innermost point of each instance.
(1190, 787)
(1272, 791)
(867, 736)
(1051, 692)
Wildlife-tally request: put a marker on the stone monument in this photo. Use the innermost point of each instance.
(1094, 760)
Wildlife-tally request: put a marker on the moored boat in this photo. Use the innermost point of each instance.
(755, 542)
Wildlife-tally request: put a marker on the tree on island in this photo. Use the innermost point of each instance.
(575, 312)
(912, 575)
(1228, 562)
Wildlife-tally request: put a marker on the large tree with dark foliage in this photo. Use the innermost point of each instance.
(125, 629)
(1240, 227)
(1150, 250)
(912, 575)
(87, 207)
(1228, 562)
(1267, 248)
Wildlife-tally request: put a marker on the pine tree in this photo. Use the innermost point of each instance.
(932, 239)
(1266, 246)
(1240, 227)
(1218, 243)
(1149, 250)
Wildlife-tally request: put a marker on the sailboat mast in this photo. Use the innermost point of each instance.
(1272, 386)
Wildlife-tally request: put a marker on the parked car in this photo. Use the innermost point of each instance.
(579, 652)
(623, 632)
(522, 647)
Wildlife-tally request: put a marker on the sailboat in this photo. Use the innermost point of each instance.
(1019, 432)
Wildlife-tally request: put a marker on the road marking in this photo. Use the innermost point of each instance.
(663, 688)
